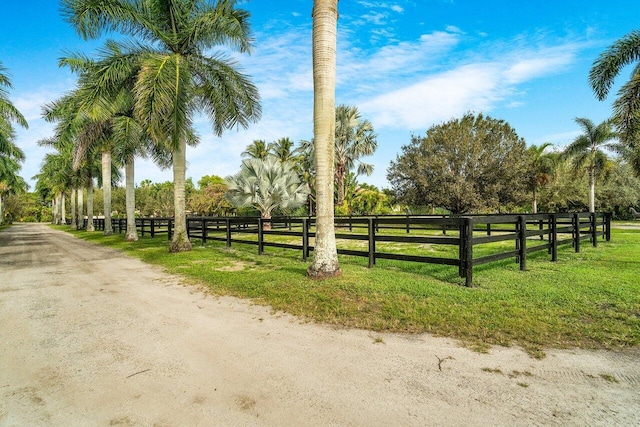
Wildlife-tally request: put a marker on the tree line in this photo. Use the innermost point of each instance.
(137, 98)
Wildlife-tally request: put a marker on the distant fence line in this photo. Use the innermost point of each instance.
(548, 230)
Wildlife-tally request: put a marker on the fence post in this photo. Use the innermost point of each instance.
(517, 227)
(260, 237)
(594, 230)
(488, 229)
(228, 232)
(305, 239)
(540, 228)
(372, 242)
(408, 224)
(576, 232)
(468, 256)
(522, 237)
(204, 231)
(553, 237)
(607, 230)
(153, 228)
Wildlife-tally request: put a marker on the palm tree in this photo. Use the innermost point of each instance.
(626, 107)
(256, 150)
(10, 181)
(55, 177)
(114, 107)
(283, 150)
(325, 19)
(10, 154)
(174, 76)
(77, 127)
(305, 165)
(8, 112)
(586, 151)
(266, 185)
(542, 166)
(354, 138)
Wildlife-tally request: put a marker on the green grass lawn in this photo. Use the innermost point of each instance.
(589, 299)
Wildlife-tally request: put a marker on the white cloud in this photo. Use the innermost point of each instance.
(540, 63)
(375, 18)
(475, 86)
(388, 65)
(436, 98)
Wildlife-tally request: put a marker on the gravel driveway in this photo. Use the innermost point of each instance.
(89, 336)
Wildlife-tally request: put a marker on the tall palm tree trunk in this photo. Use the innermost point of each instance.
(74, 217)
(130, 195)
(180, 240)
(90, 226)
(80, 223)
(63, 209)
(55, 209)
(1, 212)
(535, 199)
(106, 191)
(325, 254)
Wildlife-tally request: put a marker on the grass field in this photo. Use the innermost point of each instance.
(589, 299)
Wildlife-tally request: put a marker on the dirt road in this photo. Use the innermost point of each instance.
(90, 337)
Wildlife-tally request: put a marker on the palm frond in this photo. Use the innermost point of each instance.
(611, 61)
(227, 96)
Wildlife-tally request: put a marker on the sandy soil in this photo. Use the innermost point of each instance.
(89, 336)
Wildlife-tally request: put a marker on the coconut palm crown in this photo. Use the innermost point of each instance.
(175, 76)
(586, 151)
(626, 108)
(355, 138)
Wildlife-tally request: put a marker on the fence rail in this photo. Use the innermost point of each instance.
(471, 234)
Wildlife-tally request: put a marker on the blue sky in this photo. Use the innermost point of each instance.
(406, 64)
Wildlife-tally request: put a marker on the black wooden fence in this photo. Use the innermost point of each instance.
(528, 233)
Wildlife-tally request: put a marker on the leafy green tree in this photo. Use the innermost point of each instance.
(626, 108)
(266, 185)
(471, 164)
(542, 165)
(155, 199)
(211, 200)
(355, 138)
(210, 197)
(368, 200)
(619, 190)
(208, 180)
(586, 151)
(174, 73)
(25, 207)
(565, 191)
